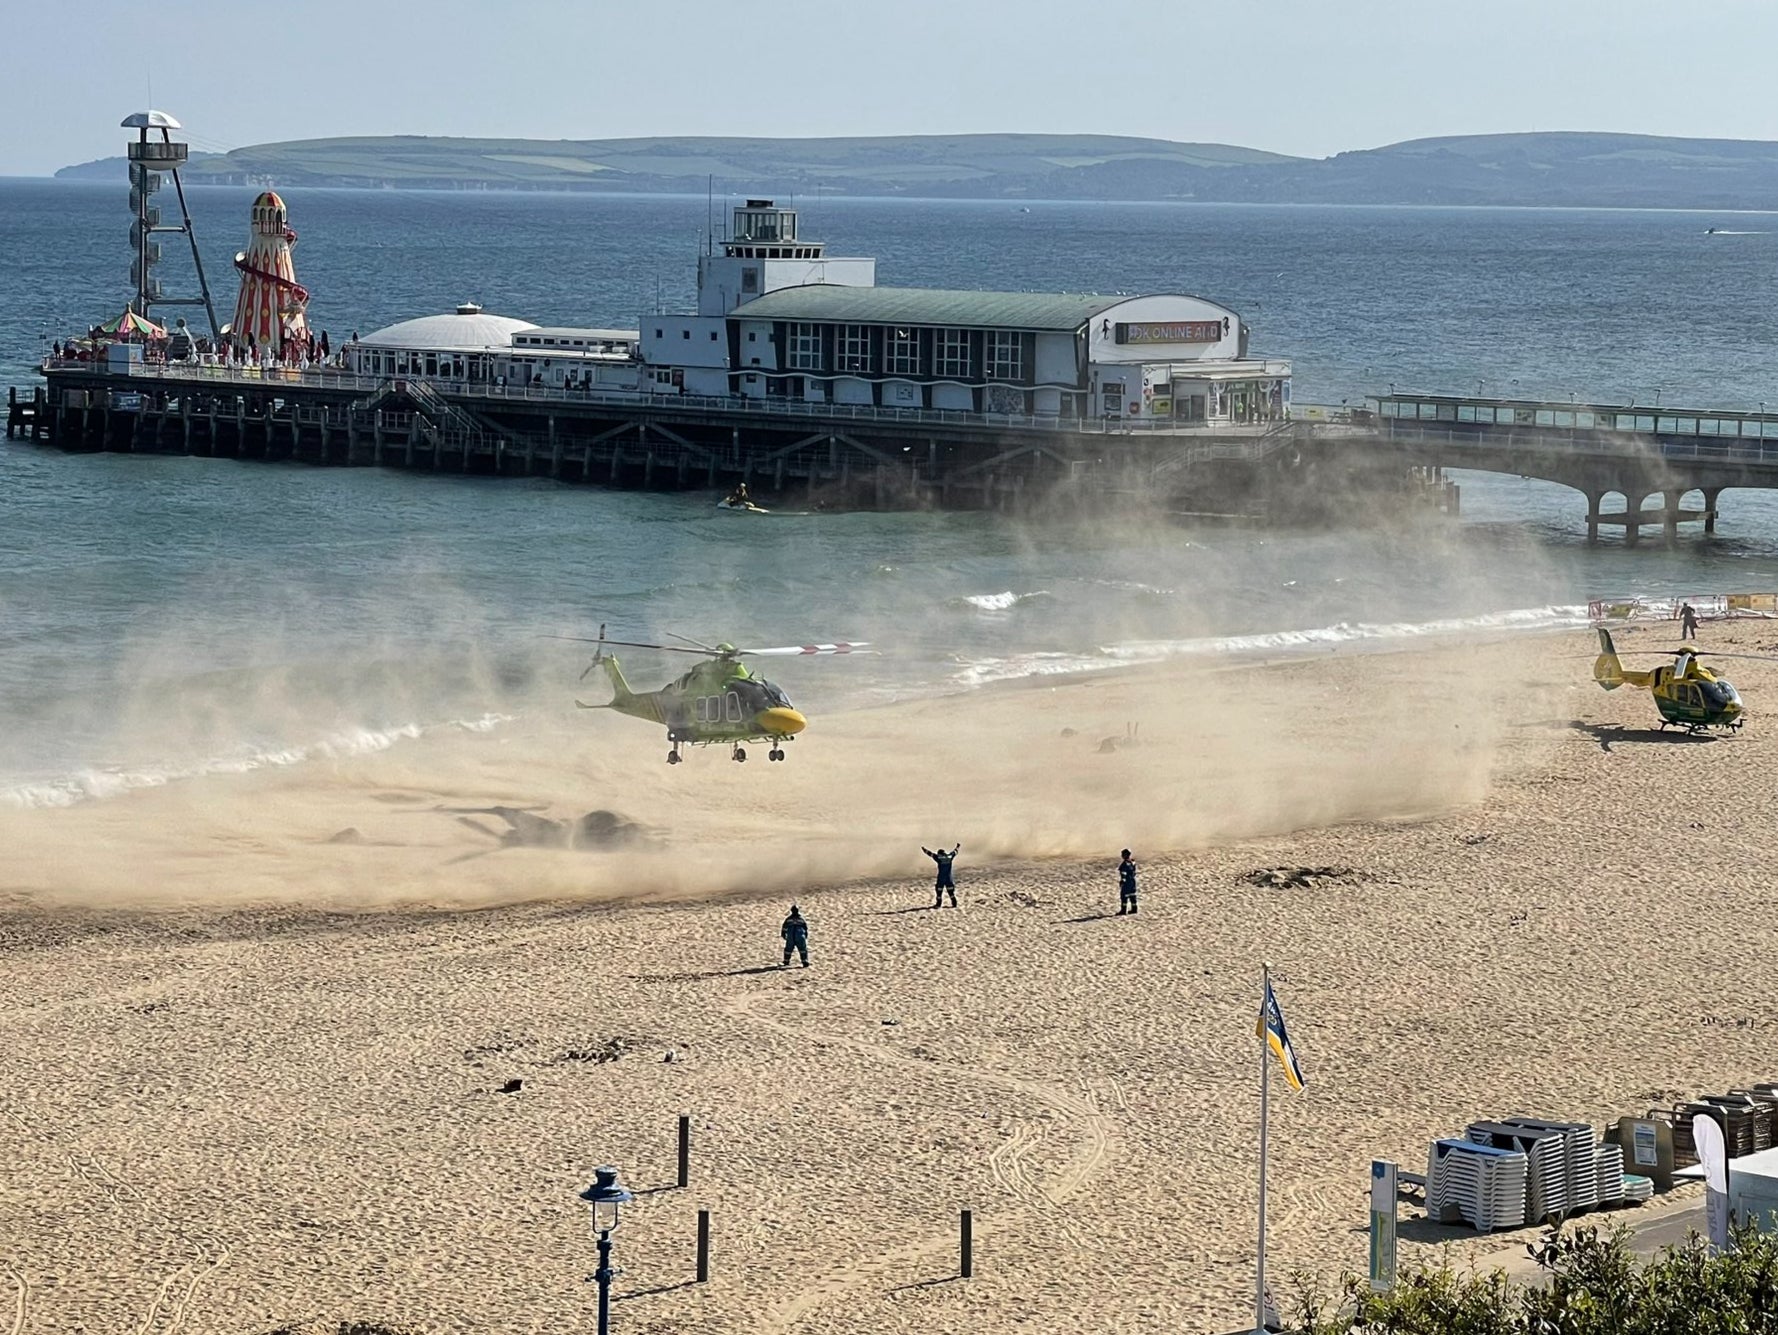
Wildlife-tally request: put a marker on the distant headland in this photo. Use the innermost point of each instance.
(1543, 169)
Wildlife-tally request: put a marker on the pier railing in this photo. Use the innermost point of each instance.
(1613, 441)
(272, 377)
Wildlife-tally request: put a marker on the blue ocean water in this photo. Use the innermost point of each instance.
(161, 616)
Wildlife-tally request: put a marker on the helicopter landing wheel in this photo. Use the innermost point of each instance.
(775, 754)
(740, 753)
(673, 756)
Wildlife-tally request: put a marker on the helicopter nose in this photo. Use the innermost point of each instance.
(781, 722)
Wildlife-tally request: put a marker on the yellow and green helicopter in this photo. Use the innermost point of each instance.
(718, 702)
(1688, 694)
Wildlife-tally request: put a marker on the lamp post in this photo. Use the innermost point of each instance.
(602, 1199)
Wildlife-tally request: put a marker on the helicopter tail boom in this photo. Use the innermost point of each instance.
(1607, 670)
(623, 699)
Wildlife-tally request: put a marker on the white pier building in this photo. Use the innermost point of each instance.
(779, 319)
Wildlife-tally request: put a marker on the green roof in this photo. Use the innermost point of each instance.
(928, 306)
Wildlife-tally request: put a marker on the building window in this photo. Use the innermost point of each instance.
(902, 356)
(658, 334)
(951, 354)
(749, 280)
(751, 336)
(1006, 355)
(712, 335)
(805, 347)
(685, 333)
(854, 347)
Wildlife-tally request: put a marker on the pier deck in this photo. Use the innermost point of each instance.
(859, 455)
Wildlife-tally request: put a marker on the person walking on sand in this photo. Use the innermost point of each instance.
(795, 932)
(1688, 621)
(944, 882)
(1126, 885)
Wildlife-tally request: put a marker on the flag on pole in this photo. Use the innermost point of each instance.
(1271, 1032)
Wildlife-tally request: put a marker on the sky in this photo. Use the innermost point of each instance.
(1306, 77)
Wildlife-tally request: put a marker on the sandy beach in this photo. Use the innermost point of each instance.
(257, 1024)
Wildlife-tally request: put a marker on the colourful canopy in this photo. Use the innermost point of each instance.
(131, 325)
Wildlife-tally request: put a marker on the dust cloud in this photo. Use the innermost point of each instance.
(1162, 756)
(1154, 758)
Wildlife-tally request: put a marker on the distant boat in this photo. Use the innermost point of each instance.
(1024, 210)
(1709, 231)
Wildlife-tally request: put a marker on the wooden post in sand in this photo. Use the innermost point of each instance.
(703, 1246)
(684, 1151)
(968, 1243)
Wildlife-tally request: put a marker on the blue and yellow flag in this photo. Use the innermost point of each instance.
(1271, 1032)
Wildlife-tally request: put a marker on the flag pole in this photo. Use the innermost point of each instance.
(1265, 1069)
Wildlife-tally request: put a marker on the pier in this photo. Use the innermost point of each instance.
(1397, 451)
(842, 454)
(1603, 451)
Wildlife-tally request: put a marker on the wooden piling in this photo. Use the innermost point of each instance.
(966, 1241)
(684, 1151)
(703, 1246)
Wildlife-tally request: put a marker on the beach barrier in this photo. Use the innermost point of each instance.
(684, 1151)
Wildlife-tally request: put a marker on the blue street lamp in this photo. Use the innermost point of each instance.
(602, 1199)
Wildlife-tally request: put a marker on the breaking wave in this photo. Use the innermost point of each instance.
(1014, 667)
(1000, 602)
(95, 783)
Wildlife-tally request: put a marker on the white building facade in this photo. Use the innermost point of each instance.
(780, 319)
(777, 318)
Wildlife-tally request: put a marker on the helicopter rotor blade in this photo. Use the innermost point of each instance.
(800, 650)
(707, 648)
(629, 644)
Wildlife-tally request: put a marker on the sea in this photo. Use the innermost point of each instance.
(162, 618)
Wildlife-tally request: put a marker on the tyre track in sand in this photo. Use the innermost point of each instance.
(1008, 1163)
(211, 1252)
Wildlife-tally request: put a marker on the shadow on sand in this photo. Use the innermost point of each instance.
(1608, 733)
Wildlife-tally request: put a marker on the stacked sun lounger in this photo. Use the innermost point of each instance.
(1474, 1182)
(1750, 1119)
(1638, 1188)
(1580, 1174)
(1546, 1164)
(1608, 1172)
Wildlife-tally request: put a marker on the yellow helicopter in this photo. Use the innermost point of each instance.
(718, 701)
(1688, 694)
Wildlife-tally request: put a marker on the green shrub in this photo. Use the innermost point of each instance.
(1591, 1284)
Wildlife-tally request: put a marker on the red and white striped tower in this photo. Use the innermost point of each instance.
(269, 313)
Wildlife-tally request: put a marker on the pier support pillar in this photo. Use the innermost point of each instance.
(1710, 495)
(1670, 516)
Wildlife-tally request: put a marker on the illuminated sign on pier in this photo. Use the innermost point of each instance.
(1174, 331)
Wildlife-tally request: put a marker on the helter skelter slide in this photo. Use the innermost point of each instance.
(270, 313)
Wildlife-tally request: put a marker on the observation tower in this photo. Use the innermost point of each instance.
(150, 160)
(270, 313)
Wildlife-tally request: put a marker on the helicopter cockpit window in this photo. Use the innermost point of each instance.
(1719, 693)
(774, 696)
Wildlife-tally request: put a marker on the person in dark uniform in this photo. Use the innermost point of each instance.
(1688, 621)
(795, 932)
(1126, 884)
(944, 882)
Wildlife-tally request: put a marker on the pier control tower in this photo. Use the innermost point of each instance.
(763, 253)
(150, 160)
